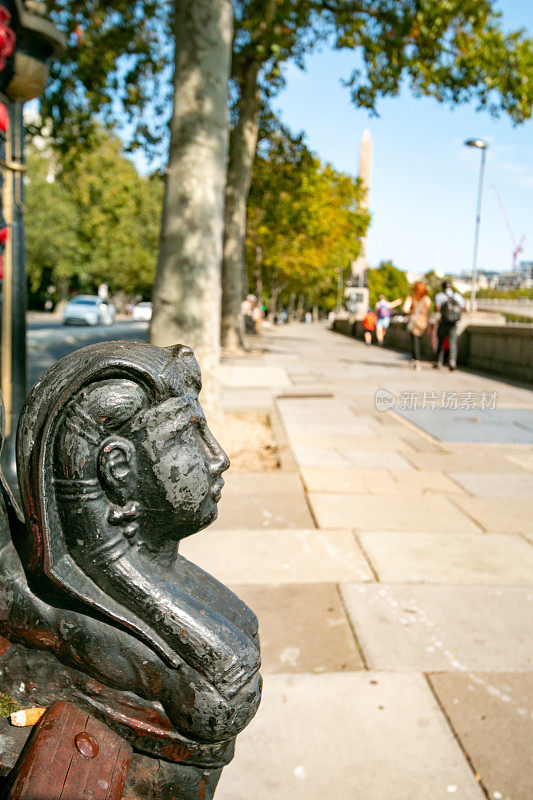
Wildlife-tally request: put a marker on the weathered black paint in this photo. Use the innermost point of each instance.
(116, 465)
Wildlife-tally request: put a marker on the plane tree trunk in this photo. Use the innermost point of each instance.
(188, 276)
(243, 142)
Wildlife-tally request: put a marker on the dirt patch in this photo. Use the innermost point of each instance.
(249, 442)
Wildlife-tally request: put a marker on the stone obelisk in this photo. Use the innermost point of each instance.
(360, 265)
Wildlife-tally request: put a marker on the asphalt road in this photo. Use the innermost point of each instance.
(48, 341)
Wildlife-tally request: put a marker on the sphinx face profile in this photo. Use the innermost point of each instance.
(131, 459)
(186, 464)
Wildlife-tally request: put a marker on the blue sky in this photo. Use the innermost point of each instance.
(424, 181)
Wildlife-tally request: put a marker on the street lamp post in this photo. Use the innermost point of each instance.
(482, 145)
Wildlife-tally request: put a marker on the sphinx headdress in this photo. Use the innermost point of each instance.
(161, 373)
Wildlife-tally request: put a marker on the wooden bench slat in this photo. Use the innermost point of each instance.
(52, 766)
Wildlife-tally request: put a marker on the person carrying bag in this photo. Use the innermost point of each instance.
(417, 305)
(450, 304)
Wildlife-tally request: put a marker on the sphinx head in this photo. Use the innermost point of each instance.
(125, 448)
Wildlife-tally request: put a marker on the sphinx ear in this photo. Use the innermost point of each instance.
(116, 468)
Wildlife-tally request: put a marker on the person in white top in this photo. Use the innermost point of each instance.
(382, 309)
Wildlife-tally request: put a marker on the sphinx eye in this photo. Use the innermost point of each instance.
(181, 428)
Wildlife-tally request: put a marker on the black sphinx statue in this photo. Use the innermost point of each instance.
(116, 465)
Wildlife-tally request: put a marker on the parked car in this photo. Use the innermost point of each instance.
(142, 312)
(89, 310)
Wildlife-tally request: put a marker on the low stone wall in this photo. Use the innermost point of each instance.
(505, 350)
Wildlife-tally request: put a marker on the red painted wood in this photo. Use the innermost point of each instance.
(71, 756)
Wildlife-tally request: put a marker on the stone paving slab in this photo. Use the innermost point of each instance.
(500, 484)
(523, 460)
(325, 409)
(389, 513)
(500, 425)
(329, 432)
(428, 482)
(247, 399)
(347, 479)
(303, 628)
(347, 441)
(421, 444)
(360, 459)
(492, 716)
(323, 417)
(443, 628)
(299, 379)
(514, 516)
(323, 457)
(360, 736)
(278, 556)
(364, 401)
(314, 409)
(249, 376)
(263, 499)
(373, 459)
(449, 558)
(476, 461)
(341, 416)
(384, 482)
(486, 449)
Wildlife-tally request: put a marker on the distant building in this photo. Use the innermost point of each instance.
(525, 269)
(463, 282)
(521, 278)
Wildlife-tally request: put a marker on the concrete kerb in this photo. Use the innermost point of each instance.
(287, 462)
(417, 430)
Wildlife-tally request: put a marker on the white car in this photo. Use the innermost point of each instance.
(142, 312)
(88, 310)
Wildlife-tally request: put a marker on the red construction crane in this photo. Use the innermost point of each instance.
(517, 246)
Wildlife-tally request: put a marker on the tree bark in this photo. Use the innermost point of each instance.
(273, 305)
(292, 300)
(243, 142)
(188, 277)
(275, 292)
(259, 275)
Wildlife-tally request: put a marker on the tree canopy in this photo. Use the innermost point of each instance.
(303, 221)
(117, 71)
(96, 222)
(388, 280)
(119, 53)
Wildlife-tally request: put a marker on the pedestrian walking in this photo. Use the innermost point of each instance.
(450, 305)
(382, 309)
(247, 310)
(417, 305)
(369, 324)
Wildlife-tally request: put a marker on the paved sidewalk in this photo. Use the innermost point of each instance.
(391, 568)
